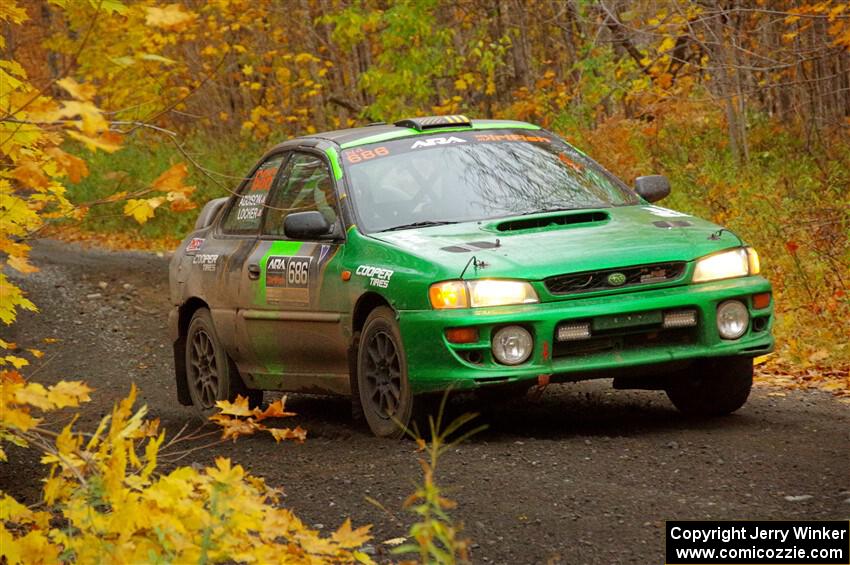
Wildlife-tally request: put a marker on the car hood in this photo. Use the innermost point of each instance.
(537, 246)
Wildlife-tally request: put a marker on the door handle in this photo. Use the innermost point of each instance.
(253, 272)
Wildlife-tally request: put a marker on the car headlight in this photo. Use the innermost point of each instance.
(480, 293)
(727, 264)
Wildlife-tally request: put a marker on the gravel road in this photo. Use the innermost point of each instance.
(585, 474)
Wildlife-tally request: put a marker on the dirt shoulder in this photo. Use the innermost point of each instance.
(584, 475)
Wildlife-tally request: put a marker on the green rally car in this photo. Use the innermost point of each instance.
(392, 261)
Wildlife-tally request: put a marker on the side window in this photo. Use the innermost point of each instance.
(305, 184)
(245, 215)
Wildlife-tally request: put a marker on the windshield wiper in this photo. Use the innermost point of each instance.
(421, 224)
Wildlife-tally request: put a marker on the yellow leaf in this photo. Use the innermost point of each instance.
(68, 393)
(171, 16)
(460, 84)
(15, 361)
(142, 210)
(92, 119)
(79, 91)
(21, 265)
(238, 407)
(10, 12)
(247, 70)
(349, 538)
(108, 141)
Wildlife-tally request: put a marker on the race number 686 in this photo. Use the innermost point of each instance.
(298, 273)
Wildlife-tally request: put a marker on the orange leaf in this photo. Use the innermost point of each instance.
(30, 174)
(172, 179)
(299, 434)
(274, 410)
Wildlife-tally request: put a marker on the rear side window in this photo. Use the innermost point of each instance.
(305, 184)
(245, 215)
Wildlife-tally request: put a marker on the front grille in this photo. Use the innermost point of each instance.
(599, 280)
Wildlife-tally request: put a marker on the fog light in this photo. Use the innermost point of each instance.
(680, 319)
(512, 345)
(732, 319)
(574, 332)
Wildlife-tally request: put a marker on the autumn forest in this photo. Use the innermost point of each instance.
(119, 119)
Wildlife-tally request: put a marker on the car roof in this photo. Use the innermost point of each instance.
(403, 128)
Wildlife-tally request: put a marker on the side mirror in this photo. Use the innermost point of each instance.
(652, 188)
(306, 225)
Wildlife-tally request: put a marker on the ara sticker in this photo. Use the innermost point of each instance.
(207, 261)
(288, 278)
(195, 244)
(377, 276)
(434, 141)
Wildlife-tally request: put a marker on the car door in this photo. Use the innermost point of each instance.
(290, 312)
(220, 257)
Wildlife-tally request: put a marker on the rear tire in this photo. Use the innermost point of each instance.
(210, 373)
(382, 385)
(712, 387)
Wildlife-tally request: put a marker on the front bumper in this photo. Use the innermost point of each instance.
(434, 368)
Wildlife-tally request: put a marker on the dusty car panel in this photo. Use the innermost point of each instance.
(609, 280)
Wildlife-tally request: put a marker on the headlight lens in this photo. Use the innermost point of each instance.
(727, 264)
(480, 293)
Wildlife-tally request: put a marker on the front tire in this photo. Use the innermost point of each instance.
(712, 387)
(382, 384)
(210, 373)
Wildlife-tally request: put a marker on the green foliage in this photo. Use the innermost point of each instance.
(436, 536)
(141, 160)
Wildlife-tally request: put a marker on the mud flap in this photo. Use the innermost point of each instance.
(183, 396)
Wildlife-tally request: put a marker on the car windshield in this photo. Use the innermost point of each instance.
(474, 175)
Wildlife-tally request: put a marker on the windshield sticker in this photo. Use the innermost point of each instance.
(434, 141)
(288, 278)
(207, 261)
(377, 276)
(359, 154)
(565, 159)
(512, 137)
(362, 154)
(195, 244)
(664, 212)
(263, 178)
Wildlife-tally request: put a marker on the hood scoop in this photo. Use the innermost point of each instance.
(537, 222)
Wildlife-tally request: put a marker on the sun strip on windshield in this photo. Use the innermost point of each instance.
(361, 154)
